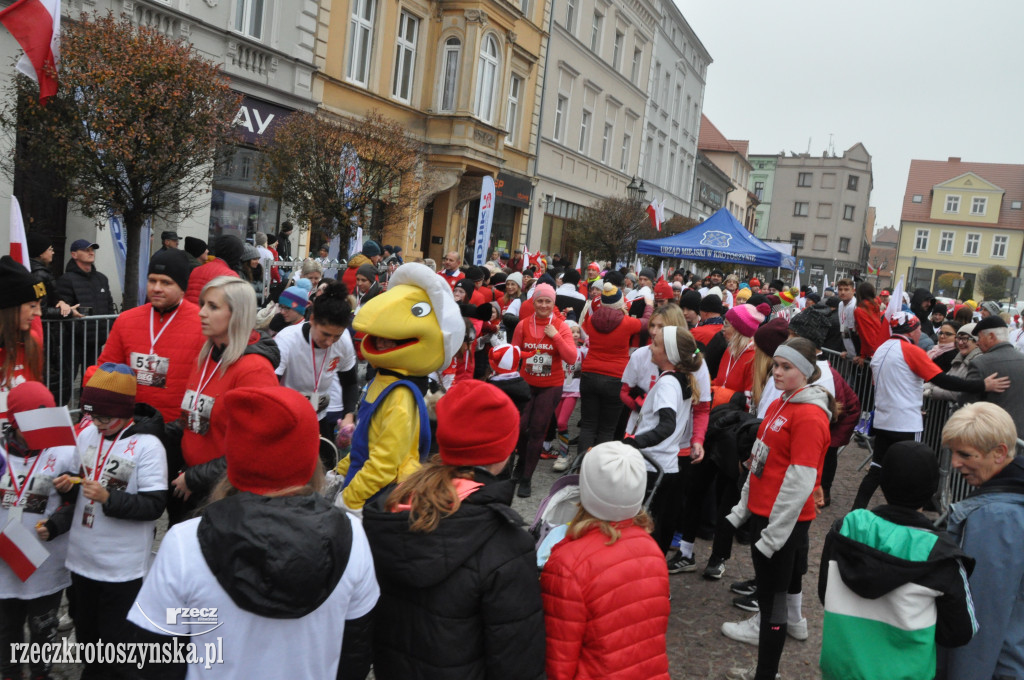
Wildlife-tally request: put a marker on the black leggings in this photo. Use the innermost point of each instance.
(776, 576)
(665, 505)
(41, 614)
(883, 440)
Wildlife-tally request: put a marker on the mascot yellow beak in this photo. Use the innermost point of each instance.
(402, 331)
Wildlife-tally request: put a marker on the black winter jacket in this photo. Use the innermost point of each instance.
(44, 275)
(731, 435)
(462, 602)
(89, 289)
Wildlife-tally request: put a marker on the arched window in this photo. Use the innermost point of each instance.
(487, 76)
(450, 73)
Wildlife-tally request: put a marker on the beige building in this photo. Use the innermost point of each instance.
(461, 76)
(598, 66)
(730, 156)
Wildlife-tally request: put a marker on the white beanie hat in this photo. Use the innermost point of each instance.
(613, 479)
(516, 278)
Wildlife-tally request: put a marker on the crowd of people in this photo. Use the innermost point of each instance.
(707, 408)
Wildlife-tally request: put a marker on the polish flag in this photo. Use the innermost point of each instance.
(46, 427)
(526, 258)
(19, 244)
(21, 549)
(35, 24)
(579, 262)
(656, 212)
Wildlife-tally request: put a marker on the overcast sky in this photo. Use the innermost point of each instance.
(907, 78)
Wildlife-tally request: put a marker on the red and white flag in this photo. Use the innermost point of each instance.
(35, 24)
(19, 244)
(46, 427)
(526, 258)
(21, 549)
(656, 212)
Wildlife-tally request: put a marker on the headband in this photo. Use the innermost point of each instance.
(794, 357)
(668, 335)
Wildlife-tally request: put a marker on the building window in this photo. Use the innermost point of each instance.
(952, 203)
(917, 198)
(361, 40)
(595, 32)
(946, 242)
(805, 179)
(452, 51)
(405, 56)
(676, 103)
(921, 241)
(801, 209)
(249, 18)
(665, 89)
(560, 111)
(848, 213)
(617, 50)
(487, 72)
(828, 180)
(844, 244)
(820, 242)
(671, 169)
(999, 244)
(627, 142)
(606, 141)
(634, 73)
(1016, 205)
(825, 211)
(515, 89)
(686, 113)
(973, 245)
(759, 190)
(796, 239)
(978, 205)
(570, 15)
(852, 181)
(584, 147)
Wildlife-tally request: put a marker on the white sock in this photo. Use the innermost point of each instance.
(794, 603)
(685, 549)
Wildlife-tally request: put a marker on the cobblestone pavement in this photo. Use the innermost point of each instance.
(697, 649)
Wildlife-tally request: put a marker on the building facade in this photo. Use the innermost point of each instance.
(710, 187)
(959, 218)
(597, 72)
(762, 178)
(820, 204)
(674, 103)
(730, 156)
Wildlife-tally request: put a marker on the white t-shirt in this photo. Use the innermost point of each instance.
(254, 646)
(111, 549)
(666, 393)
(771, 393)
(900, 370)
(38, 501)
(296, 367)
(641, 372)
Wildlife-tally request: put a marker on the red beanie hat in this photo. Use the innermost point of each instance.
(477, 424)
(663, 290)
(28, 396)
(271, 439)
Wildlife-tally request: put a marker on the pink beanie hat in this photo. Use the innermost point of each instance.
(544, 290)
(745, 319)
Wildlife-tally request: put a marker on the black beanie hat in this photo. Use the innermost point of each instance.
(690, 299)
(910, 476)
(228, 247)
(195, 246)
(648, 272)
(17, 285)
(173, 263)
(474, 274)
(467, 286)
(37, 243)
(571, 276)
(756, 299)
(711, 303)
(812, 324)
(616, 278)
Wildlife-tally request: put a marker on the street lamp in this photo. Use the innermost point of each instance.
(636, 192)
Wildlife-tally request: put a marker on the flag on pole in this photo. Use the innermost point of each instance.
(19, 244)
(636, 265)
(655, 212)
(46, 427)
(872, 270)
(661, 270)
(826, 281)
(579, 262)
(21, 550)
(526, 258)
(895, 301)
(35, 24)
(796, 278)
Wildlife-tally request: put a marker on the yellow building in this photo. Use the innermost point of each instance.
(960, 218)
(462, 77)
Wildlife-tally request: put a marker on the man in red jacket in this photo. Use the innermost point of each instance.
(159, 340)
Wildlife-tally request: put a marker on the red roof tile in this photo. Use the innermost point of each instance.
(926, 174)
(711, 139)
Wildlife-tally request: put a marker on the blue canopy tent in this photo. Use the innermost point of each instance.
(720, 238)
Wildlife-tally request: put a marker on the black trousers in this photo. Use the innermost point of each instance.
(100, 610)
(665, 506)
(42, 615)
(600, 408)
(883, 440)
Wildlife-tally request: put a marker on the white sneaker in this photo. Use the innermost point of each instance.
(746, 631)
(561, 465)
(745, 673)
(798, 630)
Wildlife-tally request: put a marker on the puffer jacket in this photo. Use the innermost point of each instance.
(88, 289)
(205, 273)
(43, 274)
(606, 607)
(179, 344)
(959, 368)
(461, 602)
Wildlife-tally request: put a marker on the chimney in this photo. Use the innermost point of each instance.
(954, 159)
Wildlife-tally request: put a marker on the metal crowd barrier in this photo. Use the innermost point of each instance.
(71, 345)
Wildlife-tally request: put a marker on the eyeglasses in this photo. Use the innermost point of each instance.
(104, 420)
(946, 334)
(964, 338)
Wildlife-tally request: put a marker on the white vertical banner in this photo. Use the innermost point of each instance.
(19, 242)
(483, 221)
(348, 185)
(119, 237)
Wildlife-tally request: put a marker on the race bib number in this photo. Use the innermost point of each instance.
(35, 497)
(117, 473)
(150, 369)
(319, 402)
(757, 458)
(196, 409)
(539, 364)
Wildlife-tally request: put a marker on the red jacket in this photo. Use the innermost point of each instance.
(544, 368)
(842, 429)
(609, 332)
(205, 273)
(606, 607)
(870, 328)
(179, 344)
(736, 374)
(21, 372)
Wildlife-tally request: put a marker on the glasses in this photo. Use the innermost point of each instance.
(964, 338)
(946, 334)
(104, 420)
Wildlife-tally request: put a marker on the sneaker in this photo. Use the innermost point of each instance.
(547, 446)
(798, 630)
(747, 631)
(748, 587)
(715, 569)
(745, 673)
(747, 603)
(680, 564)
(561, 465)
(548, 455)
(525, 488)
